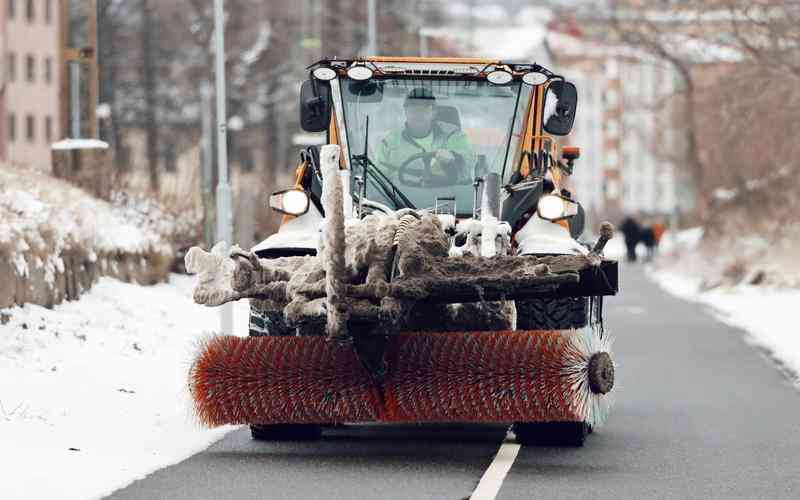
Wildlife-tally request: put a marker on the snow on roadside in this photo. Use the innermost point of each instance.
(767, 314)
(94, 392)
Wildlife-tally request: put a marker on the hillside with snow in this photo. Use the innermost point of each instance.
(94, 392)
(55, 238)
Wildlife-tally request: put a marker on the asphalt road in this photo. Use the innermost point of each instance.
(699, 414)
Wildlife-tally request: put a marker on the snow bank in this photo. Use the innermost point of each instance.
(93, 394)
(45, 219)
(68, 144)
(40, 209)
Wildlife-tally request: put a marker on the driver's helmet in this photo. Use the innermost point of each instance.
(420, 96)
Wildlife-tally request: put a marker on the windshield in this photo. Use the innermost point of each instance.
(431, 138)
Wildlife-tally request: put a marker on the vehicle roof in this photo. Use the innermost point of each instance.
(336, 61)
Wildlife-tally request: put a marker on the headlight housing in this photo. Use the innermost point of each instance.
(554, 207)
(290, 201)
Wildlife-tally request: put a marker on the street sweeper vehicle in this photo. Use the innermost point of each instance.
(429, 267)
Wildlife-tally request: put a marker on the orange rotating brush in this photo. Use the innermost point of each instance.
(522, 376)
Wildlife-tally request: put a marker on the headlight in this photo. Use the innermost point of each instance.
(499, 77)
(359, 73)
(554, 207)
(290, 201)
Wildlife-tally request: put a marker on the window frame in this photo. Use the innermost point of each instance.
(12, 127)
(48, 128)
(48, 70)
(30, 127)
(11, 61)
(30, 68)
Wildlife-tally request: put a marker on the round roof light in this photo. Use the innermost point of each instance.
(324, 73)
(534, 78)
(499, 77)
(359, 73)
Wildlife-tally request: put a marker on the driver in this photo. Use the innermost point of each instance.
(450, 149)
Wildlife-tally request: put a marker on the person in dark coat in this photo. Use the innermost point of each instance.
(649, 239)
(633, 233)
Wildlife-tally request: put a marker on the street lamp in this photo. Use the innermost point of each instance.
(224, 212)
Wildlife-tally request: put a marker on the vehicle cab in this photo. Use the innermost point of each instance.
(442, 135)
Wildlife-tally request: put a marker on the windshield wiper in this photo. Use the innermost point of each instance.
(381, 180)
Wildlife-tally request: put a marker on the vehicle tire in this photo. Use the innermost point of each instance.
(552, 314)
(286, 432)
(551, 433)
(265, 323)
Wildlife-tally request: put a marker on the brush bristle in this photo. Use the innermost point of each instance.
(247, 380)
(479, 377)
(584, 344)
(511, 376)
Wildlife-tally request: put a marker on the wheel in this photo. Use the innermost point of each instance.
(286, 432)
(551, 433)
(552, 314)
(265, 323)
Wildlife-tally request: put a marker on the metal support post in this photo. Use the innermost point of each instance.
(224, 213)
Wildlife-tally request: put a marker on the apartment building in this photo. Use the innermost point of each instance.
(29, 99)
(623, 126)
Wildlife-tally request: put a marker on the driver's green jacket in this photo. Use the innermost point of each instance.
(399, 146)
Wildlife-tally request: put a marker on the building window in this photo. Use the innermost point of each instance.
(48, 11)
(48, 128)
(12, 67)
(12, 127)
(48, 70)
(30, 68)
(12, 11)
(30, 12)
(30, 130)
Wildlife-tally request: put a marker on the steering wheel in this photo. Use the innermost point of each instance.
(422, 176)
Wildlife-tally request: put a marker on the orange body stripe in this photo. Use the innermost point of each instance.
(457, 60)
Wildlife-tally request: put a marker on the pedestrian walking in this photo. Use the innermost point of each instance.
(648, 238)
(633, 233)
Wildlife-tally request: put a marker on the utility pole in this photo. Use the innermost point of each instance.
(471, 27)
(150, 96)
(372, 40)
(224, 212)
(206, 178)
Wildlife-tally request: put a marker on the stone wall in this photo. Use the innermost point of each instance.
(75, 274)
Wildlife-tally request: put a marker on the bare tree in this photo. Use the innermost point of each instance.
(739, 63)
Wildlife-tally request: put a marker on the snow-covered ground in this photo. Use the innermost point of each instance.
(93, 393)
(766, 313)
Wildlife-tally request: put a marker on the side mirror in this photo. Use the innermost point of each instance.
(315, 105)
(561, 102)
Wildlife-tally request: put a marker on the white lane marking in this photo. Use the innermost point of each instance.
(492, 479)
